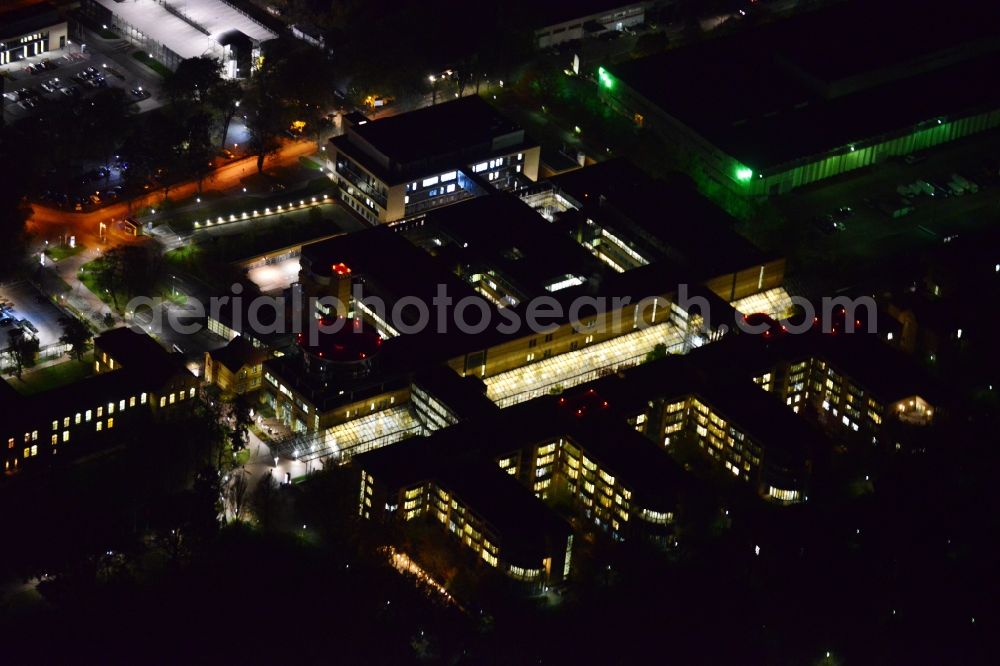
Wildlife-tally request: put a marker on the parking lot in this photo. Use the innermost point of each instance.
(831, 248)
(59, 76)
(22, 301)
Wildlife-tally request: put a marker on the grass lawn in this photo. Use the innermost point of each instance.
(54, 376)
(183, 221)
(60, 252)
(88, 276)
(243, 457)
(152, 63)
(310, 163)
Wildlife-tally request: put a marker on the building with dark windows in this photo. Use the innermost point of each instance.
(135, 379)
(29, 31)
(399, 167)
(765, 111)
(180, 29)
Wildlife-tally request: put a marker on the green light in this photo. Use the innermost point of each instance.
(743, 174)
(605, 78)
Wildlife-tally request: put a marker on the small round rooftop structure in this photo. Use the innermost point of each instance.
(342, 349)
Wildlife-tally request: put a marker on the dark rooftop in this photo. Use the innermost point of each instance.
(27, 18)
(671, 217)
(501, 234)
(238, 353)
(787, 91)
(131, 348)
(436, 130)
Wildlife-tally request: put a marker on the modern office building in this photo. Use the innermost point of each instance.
(807, 98)
(180, 29)
(399, 167)
(135, 379)
(567, 22)
(30, 30)
(498, 251)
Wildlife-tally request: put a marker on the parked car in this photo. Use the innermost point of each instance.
(843, 212)
(964, 183)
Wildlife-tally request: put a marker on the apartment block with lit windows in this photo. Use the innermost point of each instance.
(399, 167)
(856, 385)
(135, 379)
(470, 499)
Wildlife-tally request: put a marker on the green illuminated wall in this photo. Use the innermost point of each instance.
(826, 167)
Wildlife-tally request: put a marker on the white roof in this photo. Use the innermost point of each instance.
(214, 16)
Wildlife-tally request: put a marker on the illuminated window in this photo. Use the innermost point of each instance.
(100, 426)
(142, 398)
(65, 437)
(88, 416)
(79, 417)
(131, 401)
(173, 398)
(191, 392)
(10, 443)
(111, 408)
(55, 440)
(121, 405)
(111, 423)
(100, 412)
(66, 422)
(163, 401)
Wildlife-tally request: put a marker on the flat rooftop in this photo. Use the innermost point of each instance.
(436, 130)
(528, 253)
(687, 230)
(213, 18)
(27, 18)
(801, 95)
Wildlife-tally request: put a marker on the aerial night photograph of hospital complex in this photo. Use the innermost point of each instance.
(607, 332)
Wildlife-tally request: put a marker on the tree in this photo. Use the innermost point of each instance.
(238, 492)
(659, 351)
(264, 501)
(192, 82)
(76, 335)
(225, 98)
(239, 411)
(13, 207)
(22, 350)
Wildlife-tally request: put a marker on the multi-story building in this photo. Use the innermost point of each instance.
(177, 30)
(487, 512)
(399, 167)
(236, 368)
(562, 23)
(856, 384)
(745, 108)
(134, 379)
(29, 31)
